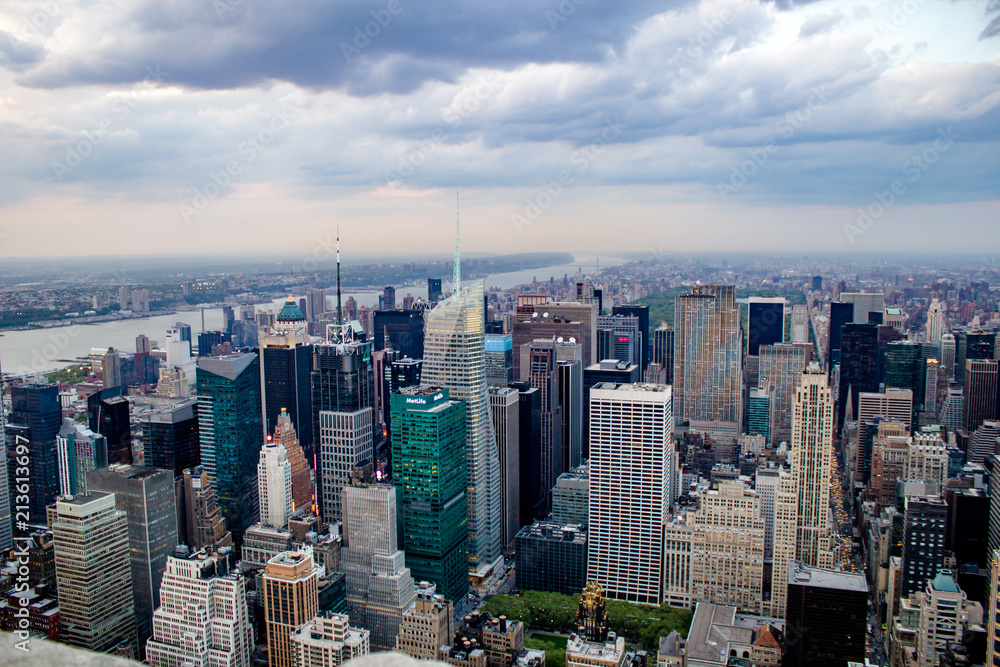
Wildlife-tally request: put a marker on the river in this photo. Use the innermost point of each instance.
(37, 350)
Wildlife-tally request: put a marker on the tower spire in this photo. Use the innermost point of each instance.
(340, 315)
(457, 279)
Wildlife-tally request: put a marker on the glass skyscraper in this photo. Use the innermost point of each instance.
(454, 359)
(430, 475)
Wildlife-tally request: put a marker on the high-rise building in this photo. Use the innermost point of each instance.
(864, 303)
(529, 452)
(221, 634)
(932, 386)
(759, 412)
(343, 394)
(231, 434)
(108, 414)
(608, 370)
(499, 359)
(858, 367)
(328, 641)
(433, 290)
(891, 404)
(505, 410)
(389, 297)
(379, 585)
(315, 304)
(993, 611)
(890, 446)
(927, 459)
(569, 365)
(146, 495)
(765, 322)
(643, 342)
(629, 477)
(274, 483)
(937, 321)
(170, 436)
(93, 574)
(983, 442)
(538, 366)
(924, 531)
(290, 598)
(403, 329)
(766, 482)
(825, 617)
(841, 314)
(79, 450)
(727, 557)
(285, 361)
(708, 355)
(982, 379)
(663, 350)
(428, 440)
(302, 486)
(945, 616)
(537, 309)
(551, 557)
(427, 625)
(619, 337)
(111, 369)
(454, 359)
(546, 325)
(34, 421)
(203, 519)
(800, 324)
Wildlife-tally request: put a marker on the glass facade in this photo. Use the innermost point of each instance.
(551, 557)
(287, 387)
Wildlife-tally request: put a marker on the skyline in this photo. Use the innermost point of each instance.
(711, 126)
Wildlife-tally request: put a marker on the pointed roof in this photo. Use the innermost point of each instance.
(290, 312)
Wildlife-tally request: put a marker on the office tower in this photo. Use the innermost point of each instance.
(619, 337)
(328, 641)
(619, 372)
(993, 635)
(546, 325)
(302, 485)
(983, 442)
(343, 394)
(663, 350)
(981, 382)
(290, 598)
(123, 297)
(937, 323)
(642, 312)
(551, 556)
(817, 283)
(927, 459)
(825, 617)
(980, 345)
(170, 436)
(404, 330)
(433, 291)
(841, 314)
(108, 414)
(759, 412)
(231, 434)
(858, 367)
(904, 369)
(538, 309)
(727, 558)
(629, 477)
(111, 369)
(34, 420)
(429, 460)
(285, 360)
(205, 524)
(207, 340)
(221, 634)
(389, 297)
(864, 303)
(78, 450)
(569, 366)
(780, 370)
(379, 585)
(945, 616)
(571, 497)
(968, 513)
(800, 324)
(146, 495)
(926, 520)
(889, 450)
(952, 412)
(93, 573)
(538, 366)
(529, 452)
(315, 304)
(948, 354)
(932, 383)
(453, 359)
(812, 451)
(274, 483)
(892, 404)
(765, 323)
(766, 485)
(427, 625)
(708, 355)
(499, 359)
(505, 410)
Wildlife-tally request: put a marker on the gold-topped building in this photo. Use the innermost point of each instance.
(592, 614)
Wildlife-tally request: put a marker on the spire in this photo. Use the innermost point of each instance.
(457, 279)
(340, 312)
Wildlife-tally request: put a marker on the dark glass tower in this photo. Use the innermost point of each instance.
(108, 413)
(825, 617)
(231, 434)
(642, 312)
(430, 475)
(405, 330)
(170, 437)
(433, 290)
(765, 324)
(840, 314)
(858, 366)
(530, 453)
(926, 521)
(34, 421)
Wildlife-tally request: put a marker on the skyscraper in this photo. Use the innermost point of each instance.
(569, 365)
(708, 355)
(290, 597)
(629, 477)
(431, 479)
(643, 343)
(858, 367)
(800, 324)
(389, 297)
(926, 520)
(505, 410)
(780, 370)
(302, 485)
(982, 383)
(79, 450)
(454, 359)
(93, 573)
(221, 634)
(841, 314)
(864, 303)
(663, 350)
(765, 323)
(108, 414)
(231, 434)
(315, 304)
(427, 625)
(825, 616)
(202, 517)
(433, 290)
(379, 585)
(35, 419)
(538, 366)
(274, 481)
(499, 359)
(618, 337)
(146, 495)
(937, 322)
(170, 436)
(285, 361)
(403, 329)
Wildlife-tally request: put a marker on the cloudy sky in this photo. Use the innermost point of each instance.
(171, 126)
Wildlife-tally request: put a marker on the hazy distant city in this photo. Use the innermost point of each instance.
(541, 333)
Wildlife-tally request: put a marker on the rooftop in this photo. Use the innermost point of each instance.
(804, 575)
